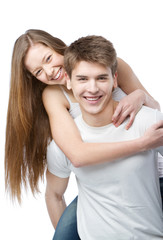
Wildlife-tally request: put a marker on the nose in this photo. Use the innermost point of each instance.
(92, 86)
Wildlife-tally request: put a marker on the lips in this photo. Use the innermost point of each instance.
(57, 76)
(93, 99)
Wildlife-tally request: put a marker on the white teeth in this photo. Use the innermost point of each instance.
(92, 99)
(58, 74)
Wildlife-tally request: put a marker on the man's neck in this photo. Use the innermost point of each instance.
(100, 119)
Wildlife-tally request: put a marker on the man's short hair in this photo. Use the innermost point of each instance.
(94, 49)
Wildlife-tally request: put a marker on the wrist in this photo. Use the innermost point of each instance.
(147, 100)
(143, 96)
(143, 143)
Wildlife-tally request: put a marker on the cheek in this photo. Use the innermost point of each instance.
(42, 79)
(62, 60)
(76, 93)
(58, 61)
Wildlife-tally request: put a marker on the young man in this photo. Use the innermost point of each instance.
(120, 199)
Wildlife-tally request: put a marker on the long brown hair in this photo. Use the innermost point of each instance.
(27, 129)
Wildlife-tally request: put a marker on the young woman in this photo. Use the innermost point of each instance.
(39, 56)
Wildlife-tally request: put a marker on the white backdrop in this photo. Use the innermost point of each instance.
(134, 26)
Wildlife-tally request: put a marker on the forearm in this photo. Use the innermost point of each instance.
(129, 82)
(152, 138)
(82, 154)
(151, 102)
(55, 207)
(95, 153)
(146, 99)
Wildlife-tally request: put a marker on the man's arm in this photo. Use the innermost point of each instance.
(54, 196)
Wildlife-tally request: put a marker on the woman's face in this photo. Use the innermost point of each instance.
(45, 64)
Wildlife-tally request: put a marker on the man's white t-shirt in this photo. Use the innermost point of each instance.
(119, 199)
(117, 95)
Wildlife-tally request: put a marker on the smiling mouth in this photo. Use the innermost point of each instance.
(57, 76)
(93, 99)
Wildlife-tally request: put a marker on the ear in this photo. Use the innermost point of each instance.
(68, 81)
(115, 80)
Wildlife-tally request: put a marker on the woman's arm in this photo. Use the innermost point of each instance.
(67, 136)
(138, 96)
(128, 82)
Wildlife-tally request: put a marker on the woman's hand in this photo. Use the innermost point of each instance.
(129, 107)
(153, 136)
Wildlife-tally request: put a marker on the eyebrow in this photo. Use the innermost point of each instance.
(80, 75)
(100, 75)
(103, 75)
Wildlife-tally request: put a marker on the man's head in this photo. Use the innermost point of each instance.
(93, 49)
(91, 64)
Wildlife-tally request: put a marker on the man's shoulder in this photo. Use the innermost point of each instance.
(148, 116)
(55, 154)
(146, 112)
(57, 162)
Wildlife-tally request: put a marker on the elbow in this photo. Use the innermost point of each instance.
(78, 165)
(52, 196)
(77, 161)
(78, 156)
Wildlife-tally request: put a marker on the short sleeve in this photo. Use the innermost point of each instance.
(57, 162)
(159, 116)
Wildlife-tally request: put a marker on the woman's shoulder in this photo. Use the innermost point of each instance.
(50, 89)
(54, 94)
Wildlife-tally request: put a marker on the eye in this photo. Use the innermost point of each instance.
(38, 73)
(48, 58)
(102, 78)
(82, 79)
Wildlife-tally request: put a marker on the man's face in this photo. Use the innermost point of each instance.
(92, 85)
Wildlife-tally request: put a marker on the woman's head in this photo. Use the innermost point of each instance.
(40, 54)
(45, 64)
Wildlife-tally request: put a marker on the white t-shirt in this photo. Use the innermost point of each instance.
(117, 95)
(119, 199)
